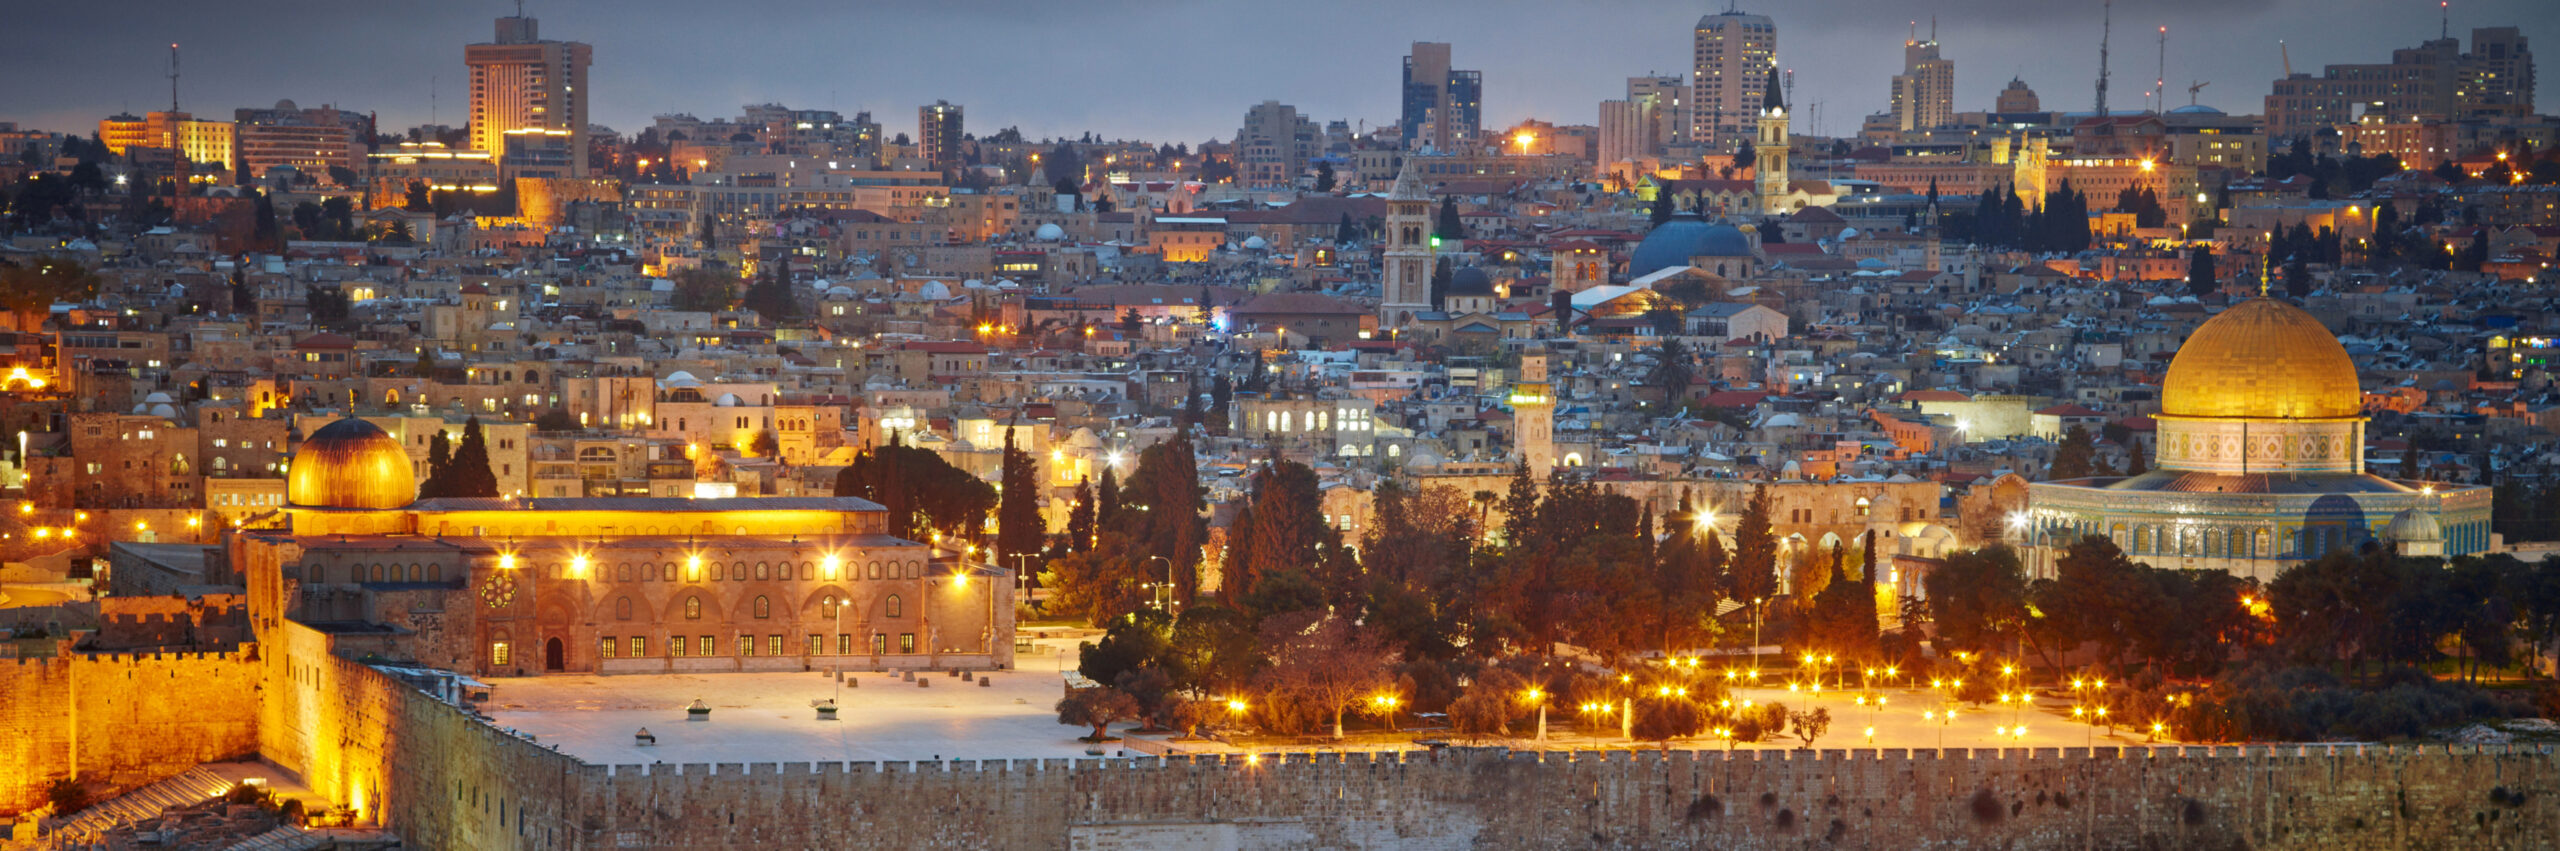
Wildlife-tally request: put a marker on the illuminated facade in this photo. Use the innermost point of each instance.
(1734, 55)
(2261, 464)
(1405, 284)
(521, 82)
(508, 587)
(1533, 414)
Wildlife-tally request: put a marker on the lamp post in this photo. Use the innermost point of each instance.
(1162, 589)
(1539, 699)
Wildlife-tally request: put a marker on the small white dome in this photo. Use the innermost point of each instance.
(680, 378)
(1256, 243)
(164, 411)
(2412, 526)
(726, 400)
(157, 397)
(1049, 232)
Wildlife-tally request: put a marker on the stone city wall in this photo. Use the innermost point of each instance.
(2260, 797)
(118, 720)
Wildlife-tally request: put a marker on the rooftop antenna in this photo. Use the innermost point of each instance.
(431, 99)
(173, 76)
(1933, 29)
(1791, 85)
(2160, 85)
(2106, 29)
(2287, 53)
(2444, 19)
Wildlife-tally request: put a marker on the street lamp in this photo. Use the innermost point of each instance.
(1539, 699)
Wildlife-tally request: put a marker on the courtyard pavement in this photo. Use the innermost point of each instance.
(766, 717)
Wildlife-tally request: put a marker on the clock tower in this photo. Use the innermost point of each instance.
(1769, 152)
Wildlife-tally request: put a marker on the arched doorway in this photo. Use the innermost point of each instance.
(552, 651)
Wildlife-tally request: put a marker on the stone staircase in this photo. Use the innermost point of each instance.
(304, 839)
(196, 785)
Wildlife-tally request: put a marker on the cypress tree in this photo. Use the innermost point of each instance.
(439, 468)
(471, 474)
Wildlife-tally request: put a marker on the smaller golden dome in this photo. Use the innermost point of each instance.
(2262, 359)
(350, 464)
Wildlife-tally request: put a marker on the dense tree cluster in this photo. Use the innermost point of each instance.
(2001, 219)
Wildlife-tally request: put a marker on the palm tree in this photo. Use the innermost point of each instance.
(1484, 506)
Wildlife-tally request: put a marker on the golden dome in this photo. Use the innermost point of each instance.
(350, 464)
(2262, 359)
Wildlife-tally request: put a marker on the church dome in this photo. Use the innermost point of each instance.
(350, 464)
(1470, 281)
(2262, 359)
(1686, 235)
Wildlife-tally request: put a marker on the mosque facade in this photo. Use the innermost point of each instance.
(529, 586)
(2260, 465)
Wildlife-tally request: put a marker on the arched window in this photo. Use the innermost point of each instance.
(417, 572)
(875, 570)
(693, 608)
(827, 607)
(377, 573)
(671, 572)
(622, 608)
(760, 570)
(435, 573)
(764, 608)
(894, 605)
(1864, 506)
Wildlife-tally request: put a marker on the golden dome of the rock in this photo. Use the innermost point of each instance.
(350, 464)
(2262, 359)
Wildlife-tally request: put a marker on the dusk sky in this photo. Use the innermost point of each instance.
(1167, 70)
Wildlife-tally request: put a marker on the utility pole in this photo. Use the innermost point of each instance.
(2160, 86)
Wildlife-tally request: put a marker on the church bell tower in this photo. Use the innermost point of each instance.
(1405, 283)
(1769, 152)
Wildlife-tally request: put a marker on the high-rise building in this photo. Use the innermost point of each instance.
(938, 133)
(528, 87)
(2433, 80)
(1654, 115)
(1924, 94)
(1443, 107)
(1275, 144)
(2017, 99)
(1736, 53)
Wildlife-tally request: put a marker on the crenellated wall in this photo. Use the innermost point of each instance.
(120, 720)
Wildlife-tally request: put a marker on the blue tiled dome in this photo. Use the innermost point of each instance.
(1685, 236)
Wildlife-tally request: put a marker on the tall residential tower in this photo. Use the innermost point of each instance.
(1736, 54)
(1924, 94)
(524, 88)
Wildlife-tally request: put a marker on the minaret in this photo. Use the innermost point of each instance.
(1769, 163)
(1533, 413)
(1405, 285)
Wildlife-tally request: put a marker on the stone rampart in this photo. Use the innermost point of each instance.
(120, 720)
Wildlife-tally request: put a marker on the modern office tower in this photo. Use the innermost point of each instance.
(1443, 107)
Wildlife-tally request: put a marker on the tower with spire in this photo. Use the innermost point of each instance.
(1405, 284)
(1533, 413)
(1769, 151)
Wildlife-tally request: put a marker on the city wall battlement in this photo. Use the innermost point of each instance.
(439, 777)
(1283, 760)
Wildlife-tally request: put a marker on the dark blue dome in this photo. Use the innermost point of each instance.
(1685, 236)
(1470, 281)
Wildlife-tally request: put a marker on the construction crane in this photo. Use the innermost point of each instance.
(2193, 89)
(2287, 53)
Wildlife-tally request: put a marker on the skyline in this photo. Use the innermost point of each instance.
(893, 60)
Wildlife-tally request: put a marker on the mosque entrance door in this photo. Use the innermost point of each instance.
(551, 653)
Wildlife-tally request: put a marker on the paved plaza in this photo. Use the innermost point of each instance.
(767, 717)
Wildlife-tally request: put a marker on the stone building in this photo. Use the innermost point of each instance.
(502, 587)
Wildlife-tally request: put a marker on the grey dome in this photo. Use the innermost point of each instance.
(1686, 235)
(1470, 281)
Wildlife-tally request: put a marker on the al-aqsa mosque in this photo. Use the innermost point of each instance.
(2260, 464)
(508, 586)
